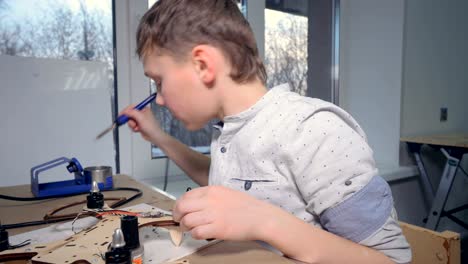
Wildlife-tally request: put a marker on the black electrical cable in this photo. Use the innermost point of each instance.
(139, 194)
(42, 222)
(29, 199)
(33, 223)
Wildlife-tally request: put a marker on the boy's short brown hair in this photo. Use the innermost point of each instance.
(176, 26)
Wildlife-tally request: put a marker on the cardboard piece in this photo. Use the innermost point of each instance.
(432, 247)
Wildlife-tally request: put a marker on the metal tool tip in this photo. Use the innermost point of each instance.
(118, 240)
(105, 131)
(95, 187)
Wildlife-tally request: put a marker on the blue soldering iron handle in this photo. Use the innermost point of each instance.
(122, 119)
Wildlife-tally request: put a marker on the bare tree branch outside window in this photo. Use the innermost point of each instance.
(3, 8)
(68, 30)
(286, 50)
(58, 31)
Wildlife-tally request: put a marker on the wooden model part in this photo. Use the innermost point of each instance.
(89, 245)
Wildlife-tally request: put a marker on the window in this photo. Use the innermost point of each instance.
(56, 67)
(71, 30)
(301, 46)
(286, 46)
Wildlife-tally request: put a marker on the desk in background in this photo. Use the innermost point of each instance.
(453, 147)
(223, 252)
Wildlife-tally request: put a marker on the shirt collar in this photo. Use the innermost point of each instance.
(235, 122)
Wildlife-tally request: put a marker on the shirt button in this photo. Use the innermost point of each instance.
(348, 182)
(223, 149)
(247, 185)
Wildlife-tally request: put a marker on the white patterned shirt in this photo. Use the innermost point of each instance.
(308, 157)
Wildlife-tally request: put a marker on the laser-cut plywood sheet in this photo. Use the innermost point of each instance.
(156, 241)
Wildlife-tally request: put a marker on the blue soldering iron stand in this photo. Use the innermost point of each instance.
(80, 184)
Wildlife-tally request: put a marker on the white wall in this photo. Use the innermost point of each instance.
(434, 76)
(407, 55)
(371, 39)
(52, 108)
(435, 71)
(371, 51)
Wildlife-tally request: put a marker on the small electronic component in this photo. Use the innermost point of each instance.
(129, 226)
(118, 253)
(95, 199)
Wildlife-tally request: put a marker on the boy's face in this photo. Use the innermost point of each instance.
(180, 90)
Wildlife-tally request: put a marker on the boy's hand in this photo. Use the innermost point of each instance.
(221, 213)
(143, 122)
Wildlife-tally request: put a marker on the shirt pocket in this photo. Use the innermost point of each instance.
(252, 174)
(243, 184)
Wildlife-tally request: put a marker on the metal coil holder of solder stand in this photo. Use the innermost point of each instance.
(100, 174)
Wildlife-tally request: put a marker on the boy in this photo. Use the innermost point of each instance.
(292, 171)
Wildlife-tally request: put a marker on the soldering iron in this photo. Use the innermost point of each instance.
(123, 119)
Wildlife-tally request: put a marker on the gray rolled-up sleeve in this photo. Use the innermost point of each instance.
(368, 218)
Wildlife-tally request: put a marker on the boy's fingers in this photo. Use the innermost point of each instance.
(186, 206)
(191, 201)
(194, 193)
(126, 109)
(207, 231)
(192, 220)
(131, 113)
(134, 117)
(132, 123)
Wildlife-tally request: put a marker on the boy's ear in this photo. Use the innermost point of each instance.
(204, 61)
